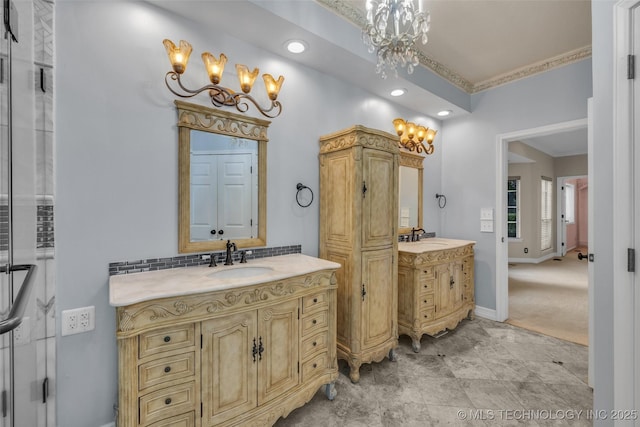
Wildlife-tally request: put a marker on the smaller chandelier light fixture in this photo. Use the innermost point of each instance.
(412, 136)
(221, 96)
(392, 30)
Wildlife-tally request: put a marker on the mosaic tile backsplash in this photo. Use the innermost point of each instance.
(152, 264)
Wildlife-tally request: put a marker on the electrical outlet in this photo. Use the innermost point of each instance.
(22, 334)
(78, 320)
(526, 250)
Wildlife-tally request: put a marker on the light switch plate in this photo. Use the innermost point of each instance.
(486, 214)
(486, 226)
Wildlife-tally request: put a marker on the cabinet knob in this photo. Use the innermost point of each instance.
(425, 301)
(315, 300)
(315, 343)
(167, 401)
(167, 338)
(315, 365)
(167, 369)
(314, 321)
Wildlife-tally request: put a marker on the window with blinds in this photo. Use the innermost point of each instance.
(546, 213)
(513, 207)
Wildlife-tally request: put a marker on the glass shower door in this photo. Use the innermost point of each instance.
(19, 394)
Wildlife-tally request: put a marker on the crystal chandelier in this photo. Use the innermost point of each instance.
(392, 30)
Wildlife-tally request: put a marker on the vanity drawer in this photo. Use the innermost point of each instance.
(314, 322)
(183, 420)
(426, 300)
(427, 314)
(426, 285)
(167, 402)
(313, 302)
(313, 344)
(166, 339)
(315, 366)
(425, 273)
(166, 369)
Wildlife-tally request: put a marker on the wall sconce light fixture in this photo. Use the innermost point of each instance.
(221, 96)
(412, 136)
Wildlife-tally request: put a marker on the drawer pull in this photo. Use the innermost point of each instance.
(167, 369)
(315, 343)
(167, 338)
(425, 301)
(315, 365)
(314, 321)
(167, 401)
(315, 300)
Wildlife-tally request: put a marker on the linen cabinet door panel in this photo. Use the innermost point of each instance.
(379, 297)
(346, 287)
(278, 347)
(229, 368)
(379, 211)
(338, 187)
(457, 288)
(444, 302)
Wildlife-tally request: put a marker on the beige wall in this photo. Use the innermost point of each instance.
(530, 190)
(571, 165)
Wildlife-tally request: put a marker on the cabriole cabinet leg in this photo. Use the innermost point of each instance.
(330, 390)
(392, 355)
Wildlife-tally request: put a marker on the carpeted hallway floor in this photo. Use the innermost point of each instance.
(551, 297)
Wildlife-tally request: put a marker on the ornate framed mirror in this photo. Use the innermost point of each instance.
(222, 164)
(410, 191)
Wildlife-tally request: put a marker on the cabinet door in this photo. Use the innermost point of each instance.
(337, 198)
(229, 373)
(449, 285)
(278, 332)
(380, 207)
(378, 295)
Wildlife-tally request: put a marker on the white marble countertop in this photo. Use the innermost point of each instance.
(432, 244)
(127, 289)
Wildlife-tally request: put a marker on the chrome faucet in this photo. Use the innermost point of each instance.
(230, 246)
(415, 237)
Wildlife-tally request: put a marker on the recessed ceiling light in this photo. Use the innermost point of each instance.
(444, 113)
(296, 46)
(398, 92)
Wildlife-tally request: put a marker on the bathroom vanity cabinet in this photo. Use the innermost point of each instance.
(435, 286)
(222, 353)
(358, 229)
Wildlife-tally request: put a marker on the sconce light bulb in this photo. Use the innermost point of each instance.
(273, 86)
(215, 67)
(399, 125)
(178, 56)
(246, 77)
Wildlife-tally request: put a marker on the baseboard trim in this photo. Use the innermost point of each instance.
(486, 313)
(533, 260)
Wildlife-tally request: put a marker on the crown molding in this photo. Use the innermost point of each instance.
(535, 68)
(357, 17)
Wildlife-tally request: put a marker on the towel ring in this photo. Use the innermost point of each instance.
(301, 187)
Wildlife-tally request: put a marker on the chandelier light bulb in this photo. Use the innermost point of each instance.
(392, 31)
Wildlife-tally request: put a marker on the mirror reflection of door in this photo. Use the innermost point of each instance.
(223, 188)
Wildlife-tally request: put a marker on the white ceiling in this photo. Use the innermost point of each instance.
(473, 45)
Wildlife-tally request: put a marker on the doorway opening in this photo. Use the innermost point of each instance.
(537, 243)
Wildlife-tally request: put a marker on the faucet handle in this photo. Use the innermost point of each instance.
(243, 257)
(212, 263)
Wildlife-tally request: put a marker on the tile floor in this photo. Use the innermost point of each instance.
(484, 373)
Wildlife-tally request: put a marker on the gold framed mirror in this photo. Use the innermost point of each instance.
(411, 173)
(222, 170)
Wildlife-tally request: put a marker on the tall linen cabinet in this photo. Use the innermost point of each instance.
(358, 229)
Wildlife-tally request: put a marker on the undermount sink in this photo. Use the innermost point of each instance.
(233, 273)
